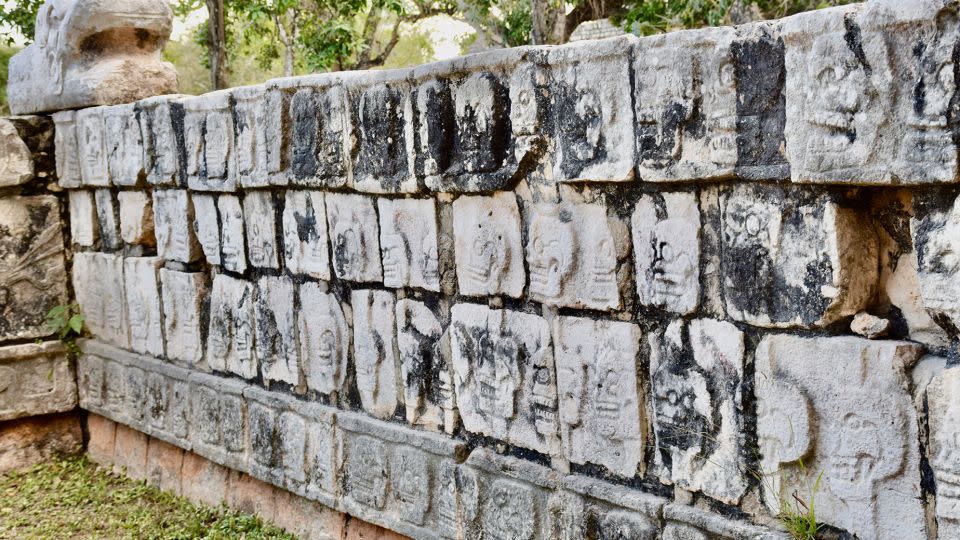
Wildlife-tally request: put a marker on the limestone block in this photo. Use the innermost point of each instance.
(84, 229)
(943, 449)
(792, 257)
(36, 379)
(124, 145)
(666, 246)
(166, 404)
(261, 229)
(842, 405)
(67, 149)
(530, 106)
(934, 226)
(265, 433)
(408, 242)
(375, 351)
(161, 141)
(591, 111)
(276, 338)
(91, 382)
(504, 376)
(591, 508)
(321, 453)
(258, 136)
(382, 116)
(305, 244)
(134, 395)
(324, 340)
(92, 147)
(218, 420)
(354, 237)
(136, 218)
(696, 379)
(98, 284)
(107, 220)
(232, 239)
(141, 283)
(320, 130)
(577, 255)
(16, 161)
(685, 522)
(33, 278)
(601, 409)
(173, 216)
(488, 246)
(184, 302)
(231, 332)
(208, 141)
(206, 226)
(89, 53)
(425, 369)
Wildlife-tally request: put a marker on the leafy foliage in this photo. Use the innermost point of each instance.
(20, 15)
(66, 322)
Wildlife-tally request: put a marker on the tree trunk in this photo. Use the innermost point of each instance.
(548, 22)
(217, 44)
(288, 38)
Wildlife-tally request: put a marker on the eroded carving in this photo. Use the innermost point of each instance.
(324, 339)
(305, 234)
(173, 226)
(374, 351)
(184, 297)
(382, 163)
(354, 237)
(408, 242)
(487, 245)
(275, 341)
(261, 229)
(666, 246)
(231, 331)
(424, 368)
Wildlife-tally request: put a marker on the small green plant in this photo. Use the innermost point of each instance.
(799, 516)
(67, 322)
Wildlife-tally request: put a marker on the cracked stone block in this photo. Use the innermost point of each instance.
(408, 243)
(842, 405)
(589, 508)
(16, 160)
(206, 226)
(488, 246)
(67, 149)
(258, 136)
(92, 147)
(943, 449)
(107, 220)
(232, 237)
(218, 420)
(354, 237)
(231, 332)
(324, 339)
(320, 131)
(665, 228)
(36, 379)
(261, 229)
(208, 141)
(305, 244)
(425, 369)
(590, 111)
(685, 522)
(161, 125)
(504, 376)
(577, 256)
(84, 229)
(184, 301)
(173, 216)
(98, 284)
(276, 337)
(124, 145)
(382, 116)
(136, 218)
(696, 386)
(375, 351)
(792, 257)
(601, 408)
(141, 281)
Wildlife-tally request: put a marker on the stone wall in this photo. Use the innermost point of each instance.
(631, 288)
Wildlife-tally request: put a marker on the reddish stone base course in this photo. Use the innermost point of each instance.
(186, 474)
(28, 441)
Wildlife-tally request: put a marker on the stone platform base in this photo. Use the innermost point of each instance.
(28, 441)
(186, 474)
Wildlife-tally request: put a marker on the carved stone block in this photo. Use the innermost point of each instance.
(84, 230)
(354, 237)
(305, 247)
(322, 452)
(265, 439)
(319, 120)
(367, 471)
(36, 379)
(92, 147)
(107, 220)
(161, 121)
(232, 238)
(504, 376)
(375, 351)
(792, 257)
(206, 226)
(276, 338)
(684, 522)
(591, 508)
(173, 216)
(141, 281)
(324, 339)
(208, 142)
(943, 449)
(425, 369)
(258, 136)
(67, 149)
(488, 245)
(124, 145)
(136, 218)
(696, 381)
(576, 254)
(261, 228)
(184, 301)
(97, 282)
(218, 424)
(383, 118)
(231, 332)
(408, 242)
(842, 406)
(16, 161)
(601, 409)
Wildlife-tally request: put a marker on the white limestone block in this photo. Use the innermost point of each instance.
(136, 218)
(261, 229)
(160, 152)
(173, 225)
(141, 282)
(92, 146)
(408, 242)
(232, 238)
(84, 228)
(488, 246)
(383, 112)
(16, 161)
(231, 330)
(276, 338)
(375, 352)
(36, 379)
(666, 247)
(354, 237)
(184, 300)
(943, 448)
(425, 369)
(107, 220)
(124, 145)
(98, 284)
(305, 244)
(208, 141)
(259, 136)
(324, 340)
(320, 130)
(206, 225)
(67, 149)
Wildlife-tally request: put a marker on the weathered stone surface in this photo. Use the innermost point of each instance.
(276, 338)
(382, 116)
(666, 247)
(696, 380)
(261, 228)
(321, 454)
(206, 226)
(92, 147)
(264, 435)
(161, 131)
(591, 508)
(16, 161)
(84, 230)
(164, 462)
(231, 334)
(32, 274)
(504, 376)
(107, 220)
(258, 136)
(185, 298)
(425, 370)
(36, 379)
(233, 251)
(576, 254)
(869, 326)
(601, 409)
(124, 145)
(943, 448)
(141, 282)
(173, 216)
(354, 237)
(67, 149)
(320, 131)
(305, 247)
(324, 339)
(136, 218)
(408, 242)
(97, 282)
(375, 351)
(208, 141)
(793, 257)
(32, 441)
(204, 481)
(688, 523)
(488, 246)
(842, 406)
(218, 420)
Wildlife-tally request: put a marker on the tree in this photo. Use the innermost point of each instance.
(21, 16)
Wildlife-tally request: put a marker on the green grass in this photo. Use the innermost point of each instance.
(75, 498)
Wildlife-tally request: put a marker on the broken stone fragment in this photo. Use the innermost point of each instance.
(16, 161)
(425, 369)
(943, 406)
(408, 243)
(136, 218)
(869, 326)
(84, 230)
(934, 228)
(488, 246)
(206, 225)
(107, 220)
